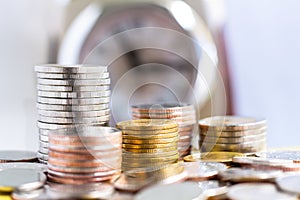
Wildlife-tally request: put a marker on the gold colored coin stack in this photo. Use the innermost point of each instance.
(70, 95)
(233, 134)
(148, 143)
(183, 114)
(84, 154)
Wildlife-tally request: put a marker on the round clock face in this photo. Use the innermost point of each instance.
(152, 58)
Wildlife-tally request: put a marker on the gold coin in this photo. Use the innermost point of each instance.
(147, 124)
(149, 146)
(149, 155)
(162, 108)
(212, 157)
(225, 134)
(138, 164)
(150, 132)
(147, 160)
(156, 150)
(149, 136)
(233, 147)
(150, 141)
(233, 140)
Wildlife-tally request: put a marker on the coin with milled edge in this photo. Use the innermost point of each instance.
(70, 114)
(233, 140)
(150, 136)
(231, 123)
(93, 94)
(147, 124)
(150, 141)
(162, 108)
(212, 157)
(68, 82)
(83, 101)
(72, 76)
(17, 156)
(56, 68)
(203, 170)
(21, 179)
(74, 120)
(258, 191)
(73, 88)
(233, 134)
(72, 108)
(50, 126)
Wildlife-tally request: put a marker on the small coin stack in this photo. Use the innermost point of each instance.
(149, 143)
(84, 154)
(70, 95)
(233, 134)
(183, 114)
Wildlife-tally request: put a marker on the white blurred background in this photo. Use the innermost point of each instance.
(262, 40)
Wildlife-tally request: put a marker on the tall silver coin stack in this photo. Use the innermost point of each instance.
(182, 113)
(233, 134)
(68, 95)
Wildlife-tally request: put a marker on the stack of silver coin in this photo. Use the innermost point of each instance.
(84, 154)
(232, 133)
(70, 95)
(182, 113)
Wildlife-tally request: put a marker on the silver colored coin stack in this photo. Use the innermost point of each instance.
(182, 113)
(69, 95)
(232, 134)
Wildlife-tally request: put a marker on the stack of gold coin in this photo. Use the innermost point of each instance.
(181, 113)
(84, 154)
(148, 143)
(232, 133)
(70, 95)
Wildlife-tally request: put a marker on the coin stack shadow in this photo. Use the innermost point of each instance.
(182, 113)
(84, 154)
(148, 143)
(70, 95)
(232, 134)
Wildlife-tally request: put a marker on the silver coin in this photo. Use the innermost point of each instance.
(74, 88)
(86, 101)
(67, 95)
(233, 140)
(56, 68)
(247, 175)
(44, 145)
(17, 156)
(42, 156)
(81, 82)
(289, 183)
(164, 107)
(21, 179)
(203, 170)
(43, 138)
(233, 134)
(43, 150)
(75, 120)
(184, 190)
(73, 114)
(231, 123)
(284, 155)
(48, 126)
(258, 191)
(28, 195)
(24, 165)
(73, 76)
(73, 108)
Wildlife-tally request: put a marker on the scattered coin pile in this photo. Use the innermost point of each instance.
(84, 154)
(70, 95)
(232, 134)
(148, 143)
(181, 113)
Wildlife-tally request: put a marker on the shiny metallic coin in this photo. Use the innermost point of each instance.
(112, 162)
(80, 169)
(283, 155)
(77, 181)
(162, 108)
(83, 149)
(148, 136)
(231, 123)
(289, 183)
(149, 146)
(43, 150)
(76, 102)
(180, 121)
(151, 132)
(132, 183)
(147, 124)
(260, 161)
(155, 150)
(17, 156)
(233, 134)
(24, 165)
(94, 94)
(188, 114)
(183, 190)
(84, 175)
(87, 142)
(72, 108)
(50, 126)
(21, 179)
(75, 120)
(72, 76)
(70, 114)
(42, 156)
(212, 157)
(259, 191)
(28, 195)
(149, 159)
(56, 68)
(233, 140)
(246, 147)
(84, 191)
(44, 145)
(202, 170)
(43, 138)
(150, 141)
(70, 82)
(149, 155)
(130, 166)
(249, 175)
(73, 88)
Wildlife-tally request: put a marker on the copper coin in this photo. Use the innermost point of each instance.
(83, 142)
(84, 149)
(84, 156)
(83, 176)
(88, 164)
(80, 169)
(76, 181)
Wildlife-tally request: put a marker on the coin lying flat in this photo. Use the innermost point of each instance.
(212, 157)
(231, 123)
(250, 191)
(203, 170)
(284, 155)
(17, 156)
(73, 76)
(73, 88)
(24, 165)
(56, 68)
(289, 183)
(21, 179)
